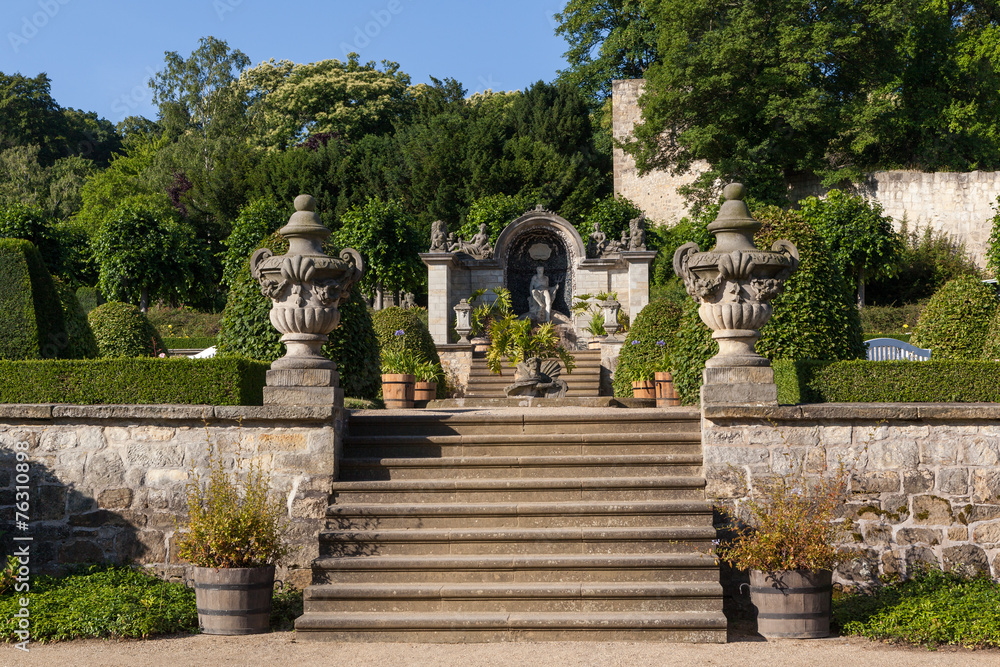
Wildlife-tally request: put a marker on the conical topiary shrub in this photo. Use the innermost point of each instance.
(31, 319)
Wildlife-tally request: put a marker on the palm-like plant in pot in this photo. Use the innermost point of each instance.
(533, 352)
(790, 541)
(235, 533)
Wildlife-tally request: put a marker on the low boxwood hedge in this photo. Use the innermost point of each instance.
(860, 381)
(228, 381)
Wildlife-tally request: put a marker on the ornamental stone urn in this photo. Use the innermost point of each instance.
(734, 283)
(306, 288)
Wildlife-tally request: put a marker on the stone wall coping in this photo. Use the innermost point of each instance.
(858, 411)
(319, 413)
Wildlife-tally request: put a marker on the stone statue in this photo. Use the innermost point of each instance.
(542, 296)
(409, 300)
(537, 378)
(637, 233)
(479, 247)
(439, 236)
(598, 242)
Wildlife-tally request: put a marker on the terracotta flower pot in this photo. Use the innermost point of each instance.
(666, 395)
(397, 390)
(234, 600)
(595, 342)
(643, 389)
(424, 392)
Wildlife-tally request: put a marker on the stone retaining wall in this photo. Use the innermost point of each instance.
(925, 478)
(107, 483)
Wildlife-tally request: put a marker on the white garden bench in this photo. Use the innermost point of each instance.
(890, 349)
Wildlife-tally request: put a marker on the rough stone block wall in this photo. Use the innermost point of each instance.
(107, 483)
(924, 478)
(456, 362)
(958, 204)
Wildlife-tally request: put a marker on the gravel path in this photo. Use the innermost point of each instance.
(281, 648)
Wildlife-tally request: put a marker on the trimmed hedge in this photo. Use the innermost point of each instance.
(31, 316)
(390, 320)
(658, 321)
(89, 298)
(861, 381)
(246, 330)
(134, 381)
(956, 321)
(122, 330)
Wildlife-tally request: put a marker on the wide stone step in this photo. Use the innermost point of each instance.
(528, 421)
(687, 567)
(508, 445)
(443, 627)
(521, 489)
(356, 469)
(524, 515)
(540, 597)
(515, 541)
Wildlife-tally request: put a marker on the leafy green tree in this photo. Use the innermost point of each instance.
(292, 101)
(144, 252)
(608, 39)
(993, 246)
(859, 235)
(765, 91)
(30, 116)
(496, 212)
(383, 232)
(204, 114)
(130, 174)
(198, 93)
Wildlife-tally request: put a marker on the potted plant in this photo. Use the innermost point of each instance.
(484, 312)
(398, 378)
(425, 388)
(589, 304)
(663, 380)
(515, 341)
(234, 536)
(640, 374)
(790, 545)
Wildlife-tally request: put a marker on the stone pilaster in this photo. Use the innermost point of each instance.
(439, 267)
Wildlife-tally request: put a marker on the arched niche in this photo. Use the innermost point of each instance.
(540, 238)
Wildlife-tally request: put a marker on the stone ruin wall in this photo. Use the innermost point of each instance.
(958, 204)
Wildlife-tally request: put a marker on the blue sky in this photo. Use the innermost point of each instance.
(99, 54)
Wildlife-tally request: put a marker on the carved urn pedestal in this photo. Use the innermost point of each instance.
(734, 283)
(306, 287)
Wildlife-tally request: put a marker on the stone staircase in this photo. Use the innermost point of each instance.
(518, 525)
(585, 380)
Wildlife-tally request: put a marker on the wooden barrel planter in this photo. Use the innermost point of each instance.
(234, 601)
(643, 389)
(397, 390)
(666, 395)
(595, 342)
(423, 392)
(792, 604)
